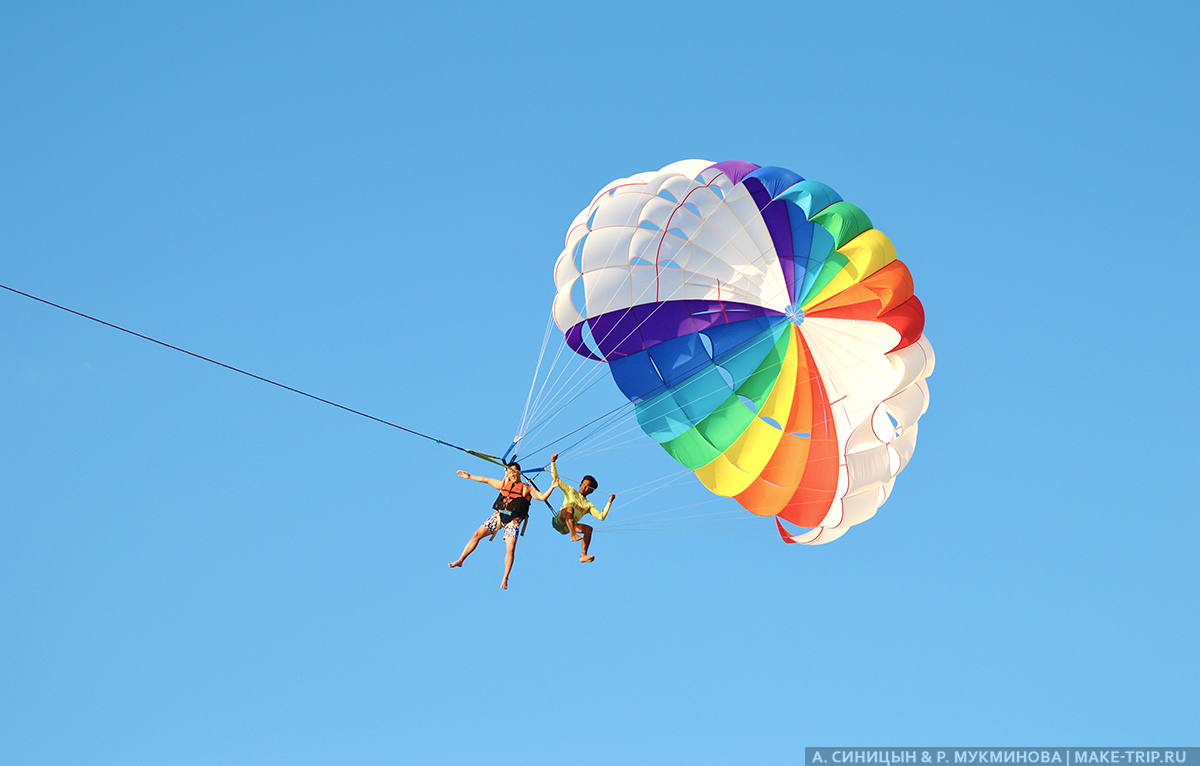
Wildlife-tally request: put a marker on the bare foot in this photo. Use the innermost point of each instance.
(504, 585)
(576, 538)
(455, 563)
(586, 559)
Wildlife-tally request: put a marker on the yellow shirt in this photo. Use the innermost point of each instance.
(572, 498)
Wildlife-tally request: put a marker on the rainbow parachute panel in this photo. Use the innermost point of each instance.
(766, 333)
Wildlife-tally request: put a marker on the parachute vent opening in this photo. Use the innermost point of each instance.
(692, 208)
(801, 435)
(750, 405)
(649, 225)
(667, 195)
(772, 422)
(707, 343)
(677, 233)
(592, 218)
(794, 314)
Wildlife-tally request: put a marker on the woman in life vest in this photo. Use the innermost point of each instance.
(510, 512)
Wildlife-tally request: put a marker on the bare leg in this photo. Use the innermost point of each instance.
(479, 534)
(510, 553)
(584, 558)
(568, 518)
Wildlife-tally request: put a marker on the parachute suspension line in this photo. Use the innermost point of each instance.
(536, 367)
(681, 514)
(567, 379)
(708, 531)
(615, 443)
(218, 363)
(544, 388)
(619, 416)
(674, 512)
(678, 473)
(550, 398)
(549, 417)
(618, 423)
(716, 524)
(539, 420)
(620, 410)
(566, 376)
(636, 495)
(564, 397)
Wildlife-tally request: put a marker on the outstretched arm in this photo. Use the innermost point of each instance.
(541, 494)
(494, 483)
(607, 507)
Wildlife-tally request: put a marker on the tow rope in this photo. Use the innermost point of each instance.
(481, 455)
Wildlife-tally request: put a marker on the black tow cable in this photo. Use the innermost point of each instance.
(210, 360)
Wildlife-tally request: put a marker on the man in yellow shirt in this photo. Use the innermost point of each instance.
(575, 506)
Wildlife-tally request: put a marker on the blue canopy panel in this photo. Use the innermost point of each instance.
(811, 196)
(774, 179)
(819, 252)
(795, 265)
(675, 388)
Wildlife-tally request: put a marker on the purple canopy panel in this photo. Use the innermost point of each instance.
(736, 170)
(779, 225)
(621, 333)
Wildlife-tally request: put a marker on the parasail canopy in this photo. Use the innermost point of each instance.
(766, 334)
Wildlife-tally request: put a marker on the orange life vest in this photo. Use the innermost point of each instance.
(512, 502)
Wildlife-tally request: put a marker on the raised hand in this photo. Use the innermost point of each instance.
(462, 474)
(554, 458)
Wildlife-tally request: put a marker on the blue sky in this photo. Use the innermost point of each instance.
(366, 202)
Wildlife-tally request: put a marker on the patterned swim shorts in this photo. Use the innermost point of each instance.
(511, 529)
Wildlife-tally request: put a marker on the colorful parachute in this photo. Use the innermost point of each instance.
(765, 332)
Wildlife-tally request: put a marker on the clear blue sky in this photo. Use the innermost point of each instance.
(366, 202)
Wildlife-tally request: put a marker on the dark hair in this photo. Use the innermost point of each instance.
(513, 464)
(592, 479)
